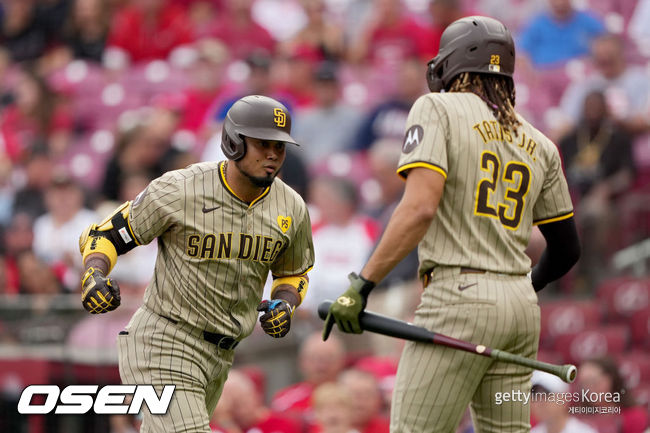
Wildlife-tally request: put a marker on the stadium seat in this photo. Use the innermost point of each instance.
(567, 317)
(550, 356)
(624, 296)
(635, 368)
(595, 342)
(640, 328)
(642, 395)
(603, 423)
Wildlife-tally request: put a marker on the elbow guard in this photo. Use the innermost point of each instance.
(300, 283)
(112, 237)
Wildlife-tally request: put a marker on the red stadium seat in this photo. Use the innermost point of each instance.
(624, 296)
(550, 356)
(604, 423)
(640, 328)
(567, 317)
(605, 340)
(642, 395)
(635, 368)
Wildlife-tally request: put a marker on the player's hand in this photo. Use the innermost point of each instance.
(276, 319)
(98, 293)
(347, 308)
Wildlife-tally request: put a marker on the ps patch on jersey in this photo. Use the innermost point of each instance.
(412, 138)
(284, 223)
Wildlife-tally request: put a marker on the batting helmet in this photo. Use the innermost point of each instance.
(254, 116)
(472, 44)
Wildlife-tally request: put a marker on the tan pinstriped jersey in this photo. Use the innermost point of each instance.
(214, 250)
(497, 184)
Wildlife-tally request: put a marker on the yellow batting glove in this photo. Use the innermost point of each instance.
(98, 293)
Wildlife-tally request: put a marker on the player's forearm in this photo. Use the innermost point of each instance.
(405, 229)
(287, 293)
(98, 261)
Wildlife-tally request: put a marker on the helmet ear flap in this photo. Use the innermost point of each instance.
(434, 74)
(232, 144)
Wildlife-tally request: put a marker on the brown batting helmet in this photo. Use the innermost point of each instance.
(258, 117)
(472, 44)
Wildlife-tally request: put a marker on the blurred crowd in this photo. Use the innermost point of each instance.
(98, 97)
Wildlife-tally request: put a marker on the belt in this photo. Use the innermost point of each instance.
(219, 340)
(426, 277)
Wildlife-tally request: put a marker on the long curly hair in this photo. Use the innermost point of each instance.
(497, 91)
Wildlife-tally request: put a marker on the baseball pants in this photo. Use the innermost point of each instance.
(435, 384)
(156, 351)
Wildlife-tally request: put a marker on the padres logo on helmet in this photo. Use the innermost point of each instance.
(258, 117)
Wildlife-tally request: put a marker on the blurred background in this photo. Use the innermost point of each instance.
(98, 97)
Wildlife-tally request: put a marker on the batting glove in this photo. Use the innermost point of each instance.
(276, 319)
(98, 293)
(347, 308)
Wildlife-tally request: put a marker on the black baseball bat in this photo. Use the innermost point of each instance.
(391, 327)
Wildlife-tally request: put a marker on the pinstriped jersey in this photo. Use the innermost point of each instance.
(498, 183)
(215, 250)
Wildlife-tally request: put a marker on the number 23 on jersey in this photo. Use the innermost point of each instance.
(511, 199)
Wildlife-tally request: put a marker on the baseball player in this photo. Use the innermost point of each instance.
(221, 227)
(478, 177)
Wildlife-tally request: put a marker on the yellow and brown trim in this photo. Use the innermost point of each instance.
(553, 219)
(224, 182)
(401, 170)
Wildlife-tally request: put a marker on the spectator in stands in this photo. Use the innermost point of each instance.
(343, 237)
(601, 375)
(319, 362)
(295, 76)
(146, 147)
(515, 15)
(34, 120)
(258, 82)
(18, 239)
(207, 75)
(597, 153)
(330, 125)
(367, 402)
(387, 119)
(29, 27)
(56, 233)
(383, 158)
(443, 13)
(561, 34)
(35, 276)
(626, 88)
(389, 36)
(333, 409)
(241, 408)
(30, 199)
(149, 29)
(203, 16)
(86, 30)
(239, 32)
(552, 411)
(319, 32)
(599, 166)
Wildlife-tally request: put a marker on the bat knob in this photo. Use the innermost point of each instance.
(569, 373)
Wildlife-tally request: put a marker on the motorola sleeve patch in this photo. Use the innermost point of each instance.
(412, 138)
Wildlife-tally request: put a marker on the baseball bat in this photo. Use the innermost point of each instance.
(391, 327)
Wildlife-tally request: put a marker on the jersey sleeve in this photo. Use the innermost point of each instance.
(554, 201)
(155, 209)
(426, 137)
(298, 257)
